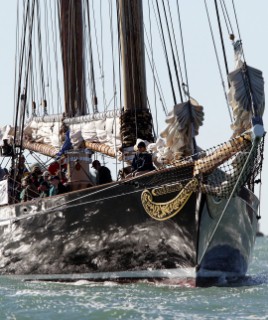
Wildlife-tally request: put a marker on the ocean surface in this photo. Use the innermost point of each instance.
(247, 299)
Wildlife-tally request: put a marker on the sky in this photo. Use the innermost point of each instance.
(203, 75)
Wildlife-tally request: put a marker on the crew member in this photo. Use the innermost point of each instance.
(142, 161)
(103, 173)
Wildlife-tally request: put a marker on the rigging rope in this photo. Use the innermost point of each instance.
(119, 52)
(260, 180)
(92, 78)
(221, 36)
(227, 19)
(153, 64)
(73, 35)
(23, 97)
(19, 123)
(172, 52)
(32, 87)
(176, 47)
(238, 30)
(23, 46)
(100, 61)
(112, 45)
(161, 31)
(41, 64)
(56, 36)
(183, 51)
(18, 80)
(48, 60)
(157, 81)
(57, 12)
(218, 61)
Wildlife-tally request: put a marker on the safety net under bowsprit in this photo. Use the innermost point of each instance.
(220, 171)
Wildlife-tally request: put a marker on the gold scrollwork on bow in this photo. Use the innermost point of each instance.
(165, 210)
(167, 189)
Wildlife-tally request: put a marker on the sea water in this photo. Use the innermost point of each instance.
(245, 299)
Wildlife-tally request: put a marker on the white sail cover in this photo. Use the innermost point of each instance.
(44, 130)
(101, 128)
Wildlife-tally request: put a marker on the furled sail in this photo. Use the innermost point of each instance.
(98, 132)
(44, 130)
(246, 93)
(183, 124)
(102, 128)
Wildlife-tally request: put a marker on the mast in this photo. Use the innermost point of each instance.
(133, 58)
(71, 24)
(136, 119)
(74, 85)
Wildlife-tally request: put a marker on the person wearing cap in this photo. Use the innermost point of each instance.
(44, 189)
(103, 173)
(44, 177)
(56, 186)
(142, 161)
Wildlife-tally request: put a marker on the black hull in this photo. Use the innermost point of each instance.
(104, 233)
(229, 252)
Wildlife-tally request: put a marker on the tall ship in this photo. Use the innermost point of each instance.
(88, 91)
